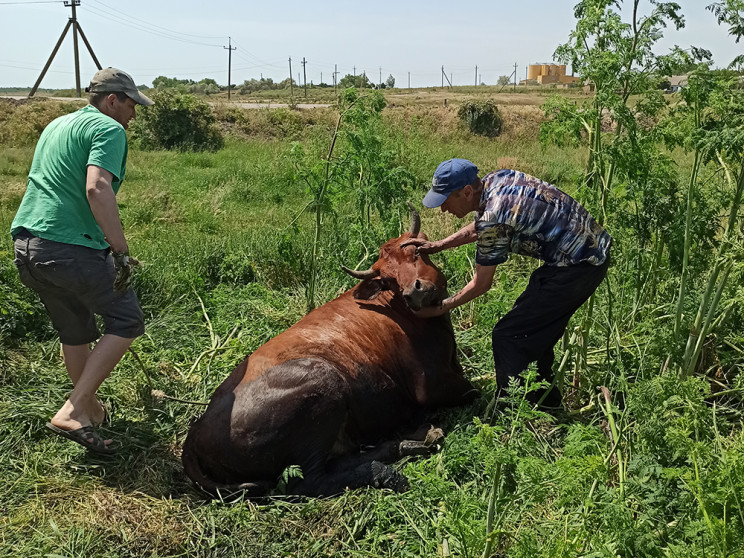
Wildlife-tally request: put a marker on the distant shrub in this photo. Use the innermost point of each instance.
(481, 117)
(66, 93)
(271, 122)
(177, 121)
(21, 122)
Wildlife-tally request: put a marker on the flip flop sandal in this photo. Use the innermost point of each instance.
(86, 437)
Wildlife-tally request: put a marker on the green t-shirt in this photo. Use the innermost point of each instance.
(55, 206)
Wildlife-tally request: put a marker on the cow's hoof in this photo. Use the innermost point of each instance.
(384, 476)
(414, 447)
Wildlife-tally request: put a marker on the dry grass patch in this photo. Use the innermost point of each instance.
(433, 119)
(521, 121)
(21, 122)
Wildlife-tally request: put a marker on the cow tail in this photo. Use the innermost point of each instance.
(227, 492)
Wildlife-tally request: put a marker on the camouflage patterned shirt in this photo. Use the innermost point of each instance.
(525, 215)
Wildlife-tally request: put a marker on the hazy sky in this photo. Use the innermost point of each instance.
(185, 38)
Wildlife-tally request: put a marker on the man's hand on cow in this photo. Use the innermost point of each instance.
(423, 246)
(123, 264)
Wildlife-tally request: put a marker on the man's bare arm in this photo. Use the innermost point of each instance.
(479, 284)
(465, 235)
(102, 202)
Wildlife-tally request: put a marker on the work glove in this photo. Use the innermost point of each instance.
(123, 264)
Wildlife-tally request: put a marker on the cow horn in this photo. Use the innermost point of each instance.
(415, 220)
(366, 274)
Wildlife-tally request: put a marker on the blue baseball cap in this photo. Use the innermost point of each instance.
(450, 175)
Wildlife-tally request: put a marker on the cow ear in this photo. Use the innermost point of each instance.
(370, 288)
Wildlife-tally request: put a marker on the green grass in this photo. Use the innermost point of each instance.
(214, 229)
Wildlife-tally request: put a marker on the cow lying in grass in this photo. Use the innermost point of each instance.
(352, 373)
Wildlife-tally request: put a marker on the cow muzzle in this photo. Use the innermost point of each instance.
(421, 293)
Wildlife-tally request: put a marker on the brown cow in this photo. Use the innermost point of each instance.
(349, 374)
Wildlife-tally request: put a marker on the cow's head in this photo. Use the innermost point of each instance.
(403, 270)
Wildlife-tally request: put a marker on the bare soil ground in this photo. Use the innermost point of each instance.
(429, 96)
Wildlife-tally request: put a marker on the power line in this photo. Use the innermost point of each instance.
(109, 16)
(35, 2)
(256, 58)
(145, 22)
(104, 14)
(35, 68)
(254, 63)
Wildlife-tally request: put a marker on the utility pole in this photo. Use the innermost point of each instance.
(515, 76)
(291, 82)
(335, 78)
(444, 76)
(321, 78)
(75, 48)
(409, 80)
(71, 22)
(229, 48)
(304, 73)
(476, 76)
(380, 77)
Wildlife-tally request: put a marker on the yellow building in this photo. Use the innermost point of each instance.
(546, 74)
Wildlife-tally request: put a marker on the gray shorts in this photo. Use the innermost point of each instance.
(75, 283)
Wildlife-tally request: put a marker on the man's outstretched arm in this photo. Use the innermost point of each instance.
(479, 284)
(465, 235)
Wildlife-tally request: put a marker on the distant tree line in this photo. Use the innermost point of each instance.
(362, 82)
(264, 84)
(208, 86)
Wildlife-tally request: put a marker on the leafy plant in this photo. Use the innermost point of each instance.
(177, 121)
(628, 183)
(481, 117)
(369, 169)
(318, 178)
(716, 111)
(365, 174)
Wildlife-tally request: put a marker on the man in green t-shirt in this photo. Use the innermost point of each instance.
(70, 246)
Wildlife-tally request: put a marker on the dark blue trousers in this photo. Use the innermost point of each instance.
(531, 329)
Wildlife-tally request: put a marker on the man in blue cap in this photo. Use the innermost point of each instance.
(518, 213)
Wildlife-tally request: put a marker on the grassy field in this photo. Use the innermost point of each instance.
(655, 470)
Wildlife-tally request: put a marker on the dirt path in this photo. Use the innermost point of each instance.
(245, 105)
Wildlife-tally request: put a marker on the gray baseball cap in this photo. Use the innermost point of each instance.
(112, 80)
